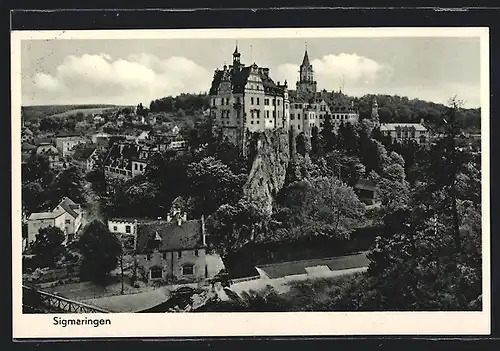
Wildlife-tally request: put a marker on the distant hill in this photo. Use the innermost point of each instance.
(394, 108)
(57, 111)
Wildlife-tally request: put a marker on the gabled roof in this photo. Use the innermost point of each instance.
(69, 206)
(45, 215)
(174, 237)
(366, 184)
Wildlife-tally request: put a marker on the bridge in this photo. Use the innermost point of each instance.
(38, 301)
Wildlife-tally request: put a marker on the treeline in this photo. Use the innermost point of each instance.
(394, 108)
(188, 103)
(40, 111)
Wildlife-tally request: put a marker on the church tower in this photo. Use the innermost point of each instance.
(375, 112)
(306, 83)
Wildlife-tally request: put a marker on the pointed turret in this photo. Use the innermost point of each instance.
(305, 60)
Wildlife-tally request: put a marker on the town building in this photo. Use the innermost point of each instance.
(127, 159)
(245, 98)
(310, 108)
(401, 132)
(50, 152)
(172, 250)
(65, 142)
(67, 216)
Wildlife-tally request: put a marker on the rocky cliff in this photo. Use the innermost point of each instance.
(269, 167)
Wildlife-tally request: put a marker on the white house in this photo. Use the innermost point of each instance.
(67, 216)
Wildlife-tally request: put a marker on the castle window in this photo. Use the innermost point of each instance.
(258, 122)
(251, 100)
(279, 102)
(298, 127)
(267, 114)
(115, 228)
(251, 122)
(258, 114)
(127, 229)
(266, 102)
(258, 101)
(292, 116)
(135, 166)
(298, 116)
(179, 254)
(196, 253)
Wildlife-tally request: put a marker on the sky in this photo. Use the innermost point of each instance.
(133, 71)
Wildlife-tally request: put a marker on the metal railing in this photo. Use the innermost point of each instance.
(36, 299)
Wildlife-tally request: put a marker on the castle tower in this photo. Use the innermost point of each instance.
(306, 83)
(236, 59)
(375, 112)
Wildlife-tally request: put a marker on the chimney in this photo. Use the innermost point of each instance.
(203, 234)
(421, 121)
(179, 221)
(184, 216)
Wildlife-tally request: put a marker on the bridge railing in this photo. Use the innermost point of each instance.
(35, 298)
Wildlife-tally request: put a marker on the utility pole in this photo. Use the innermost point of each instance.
(121, 266)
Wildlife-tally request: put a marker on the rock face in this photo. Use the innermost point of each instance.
(268, 172)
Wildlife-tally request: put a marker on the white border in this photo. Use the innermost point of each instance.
(255, 324)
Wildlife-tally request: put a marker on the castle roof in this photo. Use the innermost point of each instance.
(239, 78)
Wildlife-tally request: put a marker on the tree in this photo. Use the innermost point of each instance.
(100, 250)
(35, 198)
(212, 184)
(36, 168)
(68, 183)
(48, 245)
(232, 226)
(301, 142)
(328, 135)
(316, 142)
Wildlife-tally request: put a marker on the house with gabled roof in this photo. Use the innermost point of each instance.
(67, 216)
(172, 250)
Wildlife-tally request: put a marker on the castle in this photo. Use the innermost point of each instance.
(245, 99)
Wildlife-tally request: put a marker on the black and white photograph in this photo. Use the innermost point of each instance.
(220, 172)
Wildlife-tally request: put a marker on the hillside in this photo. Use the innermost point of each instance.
(41, 111)
(394, 108)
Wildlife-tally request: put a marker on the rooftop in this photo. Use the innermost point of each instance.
(394, 126)
(69, 206)
(45, 215)
(279, 270)
(366, 184)
(174, 237)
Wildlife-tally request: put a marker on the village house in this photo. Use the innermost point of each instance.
(172, 250)
(51, 153)
(67, 216)
(127, 159)
(65, 142)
